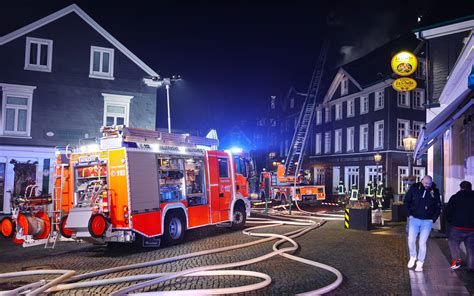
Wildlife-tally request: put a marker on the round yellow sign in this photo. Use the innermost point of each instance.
(404, 63)
(404, 84)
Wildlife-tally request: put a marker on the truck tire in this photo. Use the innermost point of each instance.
(62, 228)
(97, 225)
(7, 227)
(174, 229)
(239, 217)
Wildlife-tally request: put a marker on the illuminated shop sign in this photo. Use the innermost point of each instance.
(404, 63)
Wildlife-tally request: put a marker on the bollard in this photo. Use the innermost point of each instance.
(346, 219)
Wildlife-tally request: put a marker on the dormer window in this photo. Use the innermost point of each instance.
(38, 54)
(344, 86)
(101, 63)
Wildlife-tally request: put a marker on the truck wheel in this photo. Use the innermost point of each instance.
(239, 218)
(97, 225)
(62, 228)
(174, 229)
(7, 227)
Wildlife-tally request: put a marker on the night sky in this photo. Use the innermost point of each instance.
(234, 55)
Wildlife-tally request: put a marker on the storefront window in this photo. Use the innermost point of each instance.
(25, 175)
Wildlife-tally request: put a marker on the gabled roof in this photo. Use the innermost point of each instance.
(369, 69)
(375, 66)
(73, 8)
(337, 81)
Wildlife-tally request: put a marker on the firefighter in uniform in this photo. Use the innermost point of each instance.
(379, 194)
(370, 195)
(354, 193)
(341, 192)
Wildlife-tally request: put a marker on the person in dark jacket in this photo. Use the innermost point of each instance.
(422, 204)
(460, 216)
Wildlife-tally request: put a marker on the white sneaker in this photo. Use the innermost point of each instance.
(419, 266)
(411, 263)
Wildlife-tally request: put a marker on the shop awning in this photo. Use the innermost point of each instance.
(434, 129)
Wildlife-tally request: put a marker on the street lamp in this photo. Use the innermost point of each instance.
(409, 143)
(167, 83)
(377, 158)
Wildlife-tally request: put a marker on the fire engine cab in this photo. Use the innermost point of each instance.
(138, 184)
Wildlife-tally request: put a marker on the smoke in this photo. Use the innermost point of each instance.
(363, 33)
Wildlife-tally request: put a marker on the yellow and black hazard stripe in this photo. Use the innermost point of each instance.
(346, 219)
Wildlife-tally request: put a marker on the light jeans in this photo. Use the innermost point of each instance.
(417, 226)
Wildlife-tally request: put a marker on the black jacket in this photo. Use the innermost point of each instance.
(460, 209)
(427, 207)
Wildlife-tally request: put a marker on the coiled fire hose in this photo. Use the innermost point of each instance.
(66, 282)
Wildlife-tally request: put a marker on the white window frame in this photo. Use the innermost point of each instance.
(117, 100)
(20, 91)
(49, 56)
(400, 96)
(379, 100)
(361, 138)
(327, 114)
(338, 111)
(421, 93)
(378, 139)
(351, 171)
(318, 143)
(338, 141)
(319, 116)
(350, 111)
(401, 187)
(350, 139)
(327, 142)
(416, 131)
(344, 86)
(372, 175)
(99, 74)
(319, 176)
(421, 173)
(405, 131)
(364, 101)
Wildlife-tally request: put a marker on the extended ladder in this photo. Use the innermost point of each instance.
(296, 152)
(57, 207)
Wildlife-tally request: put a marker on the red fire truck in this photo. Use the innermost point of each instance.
(151, 186)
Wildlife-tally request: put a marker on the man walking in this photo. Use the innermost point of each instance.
(460, 216)
(422, 205)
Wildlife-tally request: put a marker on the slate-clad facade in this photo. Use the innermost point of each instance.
(62, 78)
(360, 115)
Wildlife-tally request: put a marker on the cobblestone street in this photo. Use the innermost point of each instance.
(372, 263)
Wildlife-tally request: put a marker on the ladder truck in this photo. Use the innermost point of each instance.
(287, 183)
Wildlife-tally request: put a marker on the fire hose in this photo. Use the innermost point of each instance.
(67, 283)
